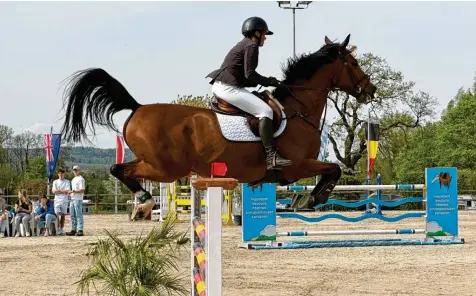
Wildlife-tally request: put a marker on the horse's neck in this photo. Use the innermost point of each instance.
(310, 101)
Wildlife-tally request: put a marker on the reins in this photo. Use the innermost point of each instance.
(301, 115)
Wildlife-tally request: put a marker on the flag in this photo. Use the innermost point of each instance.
(372, 132)
(120, 152)
(52, 148)
(324, 142)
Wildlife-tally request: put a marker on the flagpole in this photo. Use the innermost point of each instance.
(368, 139)
(48, 187)
(115, 183)
(368, 159)
(115, 197)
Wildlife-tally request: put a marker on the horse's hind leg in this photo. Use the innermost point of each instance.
(128, 173)
(330, 172)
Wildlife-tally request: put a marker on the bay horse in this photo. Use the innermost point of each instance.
(170, 140)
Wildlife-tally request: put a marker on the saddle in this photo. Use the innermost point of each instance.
(220, 106)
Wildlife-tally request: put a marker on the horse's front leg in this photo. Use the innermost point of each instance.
(330, 172)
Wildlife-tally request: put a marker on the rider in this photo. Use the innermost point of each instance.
(237, 72)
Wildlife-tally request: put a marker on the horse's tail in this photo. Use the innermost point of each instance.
(95, 96)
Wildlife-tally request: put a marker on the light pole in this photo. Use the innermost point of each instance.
(298, 5)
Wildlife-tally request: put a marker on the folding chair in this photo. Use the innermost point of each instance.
(55, 222)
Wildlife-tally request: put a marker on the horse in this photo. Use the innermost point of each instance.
(170, 141)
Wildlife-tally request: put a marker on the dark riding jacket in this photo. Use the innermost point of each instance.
(239, 66)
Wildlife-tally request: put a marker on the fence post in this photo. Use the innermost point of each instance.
(96, 202)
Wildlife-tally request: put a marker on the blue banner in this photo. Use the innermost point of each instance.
(52, 148)
(442, 202)
(259, 213)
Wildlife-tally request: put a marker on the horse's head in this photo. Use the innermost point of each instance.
(348, 76)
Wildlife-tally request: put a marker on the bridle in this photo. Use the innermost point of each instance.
(356, 85)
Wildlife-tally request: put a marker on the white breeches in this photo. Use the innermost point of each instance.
(242, 99)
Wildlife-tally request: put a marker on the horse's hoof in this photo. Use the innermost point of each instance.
(318, 200)
(300, 201)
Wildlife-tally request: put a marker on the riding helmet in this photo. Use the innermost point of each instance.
(252, 24)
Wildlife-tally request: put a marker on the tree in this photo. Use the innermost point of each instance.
(23, 146)
(197, 101)
(474, 83)
(36, 168)
(456, 136)
(8, 178)
(419, 153)
(6, 133)
(395, 101)
(144, 266)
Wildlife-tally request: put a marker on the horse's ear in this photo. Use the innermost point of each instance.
(327, 40)
(345, 42)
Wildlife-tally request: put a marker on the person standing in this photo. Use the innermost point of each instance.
(61, 189)
(78, 184)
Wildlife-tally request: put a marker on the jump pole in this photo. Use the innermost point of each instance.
(441, 217)
(206, 238)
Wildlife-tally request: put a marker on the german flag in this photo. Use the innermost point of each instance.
(372, 131)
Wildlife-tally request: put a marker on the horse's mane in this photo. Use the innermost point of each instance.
(305, 65)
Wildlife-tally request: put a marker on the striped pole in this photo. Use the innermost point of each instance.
(206, 238)
(351, 232)
(356, 187)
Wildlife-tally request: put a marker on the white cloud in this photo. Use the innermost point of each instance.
(433, 227)
(43, 128)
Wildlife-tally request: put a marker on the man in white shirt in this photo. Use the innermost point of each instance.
(61, 189)
(76, 205)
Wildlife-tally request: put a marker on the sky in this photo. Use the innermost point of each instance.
(159, 50)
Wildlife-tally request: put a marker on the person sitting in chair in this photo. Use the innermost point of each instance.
(237, 72)
(45, 214)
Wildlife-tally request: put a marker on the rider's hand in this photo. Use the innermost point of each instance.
(274, 82)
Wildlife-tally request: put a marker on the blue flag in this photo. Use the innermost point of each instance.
(52, 148)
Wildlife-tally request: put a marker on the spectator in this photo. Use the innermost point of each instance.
(76, 206)
(45, 214)
(61, 189)
(3, 215)
(23, 209)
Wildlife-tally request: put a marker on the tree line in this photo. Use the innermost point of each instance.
(23, 164)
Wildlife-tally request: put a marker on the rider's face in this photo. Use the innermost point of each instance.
(262, 38)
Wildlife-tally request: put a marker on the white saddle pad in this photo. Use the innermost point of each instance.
(235, 128)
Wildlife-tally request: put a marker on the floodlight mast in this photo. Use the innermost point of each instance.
(297, 5)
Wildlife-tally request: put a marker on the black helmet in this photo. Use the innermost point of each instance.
(253, 24)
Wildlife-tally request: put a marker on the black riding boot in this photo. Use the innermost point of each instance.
(274, 161)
